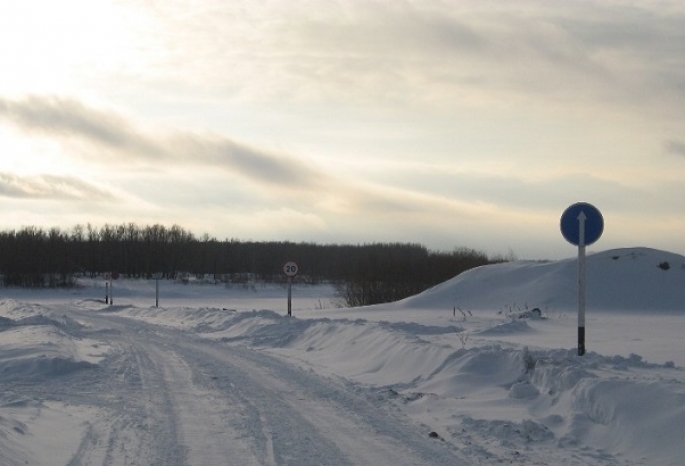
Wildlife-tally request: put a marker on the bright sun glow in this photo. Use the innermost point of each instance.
(47, 46)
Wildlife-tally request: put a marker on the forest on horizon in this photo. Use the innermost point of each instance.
(365, 273)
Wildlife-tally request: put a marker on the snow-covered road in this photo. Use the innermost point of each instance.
(166, 397)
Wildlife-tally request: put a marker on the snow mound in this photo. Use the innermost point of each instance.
(41, 345)
(631, 279)
(34, 367)
(554, 399)
(41, 352)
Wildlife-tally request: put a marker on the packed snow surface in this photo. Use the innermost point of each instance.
(480, 370)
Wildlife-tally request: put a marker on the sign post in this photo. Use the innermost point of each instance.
(107, 280)
(581, 225)
(156, 277)
(290, 269)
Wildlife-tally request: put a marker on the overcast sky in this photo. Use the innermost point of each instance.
(450, 123)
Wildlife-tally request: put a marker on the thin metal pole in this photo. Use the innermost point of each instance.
(581, 300)
(290, 296)
(581, 284)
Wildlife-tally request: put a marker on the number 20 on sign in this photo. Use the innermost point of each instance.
(290, 269)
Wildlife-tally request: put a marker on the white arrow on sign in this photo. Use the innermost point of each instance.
(581, 228)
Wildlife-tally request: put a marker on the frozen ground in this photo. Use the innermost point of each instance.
(464, 373)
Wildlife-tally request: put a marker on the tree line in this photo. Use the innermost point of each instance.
(364, 273)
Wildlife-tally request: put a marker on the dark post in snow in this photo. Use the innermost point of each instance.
(581, 224)
(290, 269)
(108, 279)
(290, 296)
(157, 289)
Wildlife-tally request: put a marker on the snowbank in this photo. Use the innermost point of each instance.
(633, 279)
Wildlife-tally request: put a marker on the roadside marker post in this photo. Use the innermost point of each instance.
(581, 225)
(107, 280)
(157, 277)
(290, 269)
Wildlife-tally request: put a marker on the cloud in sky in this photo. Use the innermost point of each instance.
(126, 145)
(427, 53)
(48, 187)
(443, 122)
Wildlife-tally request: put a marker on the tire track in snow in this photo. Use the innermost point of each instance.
(164, 407)
(134, 427)
(313, 420)
(202, 416)
(281, 435)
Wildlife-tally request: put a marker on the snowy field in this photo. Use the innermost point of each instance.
(464, 373)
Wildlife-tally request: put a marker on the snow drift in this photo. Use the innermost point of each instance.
(632, 279)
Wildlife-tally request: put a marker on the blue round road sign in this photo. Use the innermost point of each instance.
(582, 218)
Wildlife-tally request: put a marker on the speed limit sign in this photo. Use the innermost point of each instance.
(290, 269)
